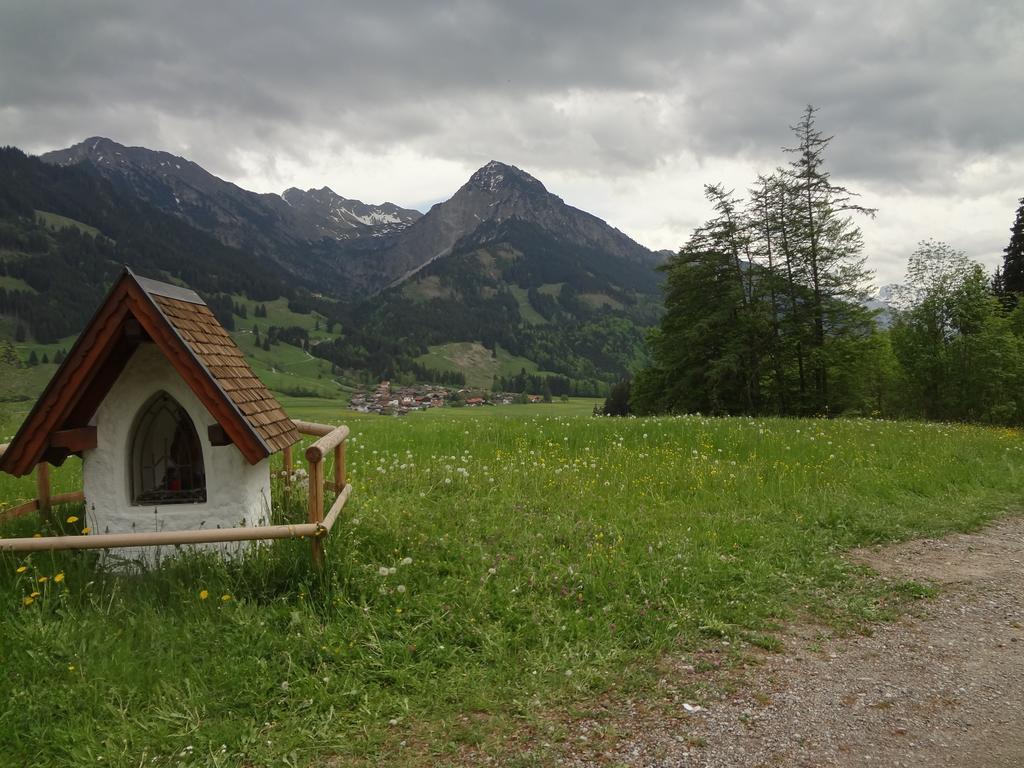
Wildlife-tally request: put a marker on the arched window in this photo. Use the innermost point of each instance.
(166, 455)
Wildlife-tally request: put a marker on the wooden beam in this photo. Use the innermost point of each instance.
(325, 444)
(288, 465)
(22, 509)
(339, 466)
(218, 435)
(312, 428)
(316, 509)
(74, 440)
(61, 395)
(43, 491)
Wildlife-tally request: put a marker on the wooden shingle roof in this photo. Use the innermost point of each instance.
(216, 350)
(177, 320)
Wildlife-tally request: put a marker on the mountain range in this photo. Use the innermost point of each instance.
(503, 263)
(360, 246)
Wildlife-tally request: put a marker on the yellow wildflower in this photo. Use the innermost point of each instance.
(59, 577)
(21, 569)
(43, 579)
(72, 518)
(27, 600)
(225, 598)
(203, 594)
(71, 667)
(86, 530)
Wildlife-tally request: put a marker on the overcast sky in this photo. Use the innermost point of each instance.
(624, 110)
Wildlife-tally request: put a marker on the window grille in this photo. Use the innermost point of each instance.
(167, 457)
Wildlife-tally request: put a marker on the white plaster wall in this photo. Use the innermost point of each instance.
(237, 493)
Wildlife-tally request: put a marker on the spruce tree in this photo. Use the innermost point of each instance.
(1013, 255)
(829, 244)
(763, 307)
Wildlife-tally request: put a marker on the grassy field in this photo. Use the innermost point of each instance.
(477, 362)
(56, 221)
(494, 566)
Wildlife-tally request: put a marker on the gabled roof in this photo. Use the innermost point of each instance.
(183, 327)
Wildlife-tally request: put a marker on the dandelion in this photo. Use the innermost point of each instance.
(28, 600)
(225, 598)
(86, 530)
(400, 589)
(59, 577)
(71, 667)
(43, 579)
(382, 571)
(406, 561)
(21, 569)
(72, 518)
(203, 594)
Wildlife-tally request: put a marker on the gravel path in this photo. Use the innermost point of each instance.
(943, 688)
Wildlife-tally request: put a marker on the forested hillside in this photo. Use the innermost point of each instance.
(539, 282)
(55, 272)
(578, 312)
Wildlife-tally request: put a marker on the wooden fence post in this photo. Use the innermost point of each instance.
(288, 465)
(316, 508)
(339, 467)
(43, 491)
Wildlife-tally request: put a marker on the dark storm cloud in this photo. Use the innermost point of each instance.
(628, 107)
(624, 86)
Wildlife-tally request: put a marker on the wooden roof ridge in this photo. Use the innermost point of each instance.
(180, 323)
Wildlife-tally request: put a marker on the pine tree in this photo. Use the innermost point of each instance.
(763, 305)
(8, 356)
(829, 244)
(33, 358)
(1013, 255)
(617, 402)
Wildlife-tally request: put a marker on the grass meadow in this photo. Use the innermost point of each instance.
(494, 568)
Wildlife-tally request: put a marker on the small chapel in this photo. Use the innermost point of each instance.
(174, 429)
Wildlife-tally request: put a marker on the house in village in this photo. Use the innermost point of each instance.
(165, 413)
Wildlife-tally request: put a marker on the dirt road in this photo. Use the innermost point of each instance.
(942, 688)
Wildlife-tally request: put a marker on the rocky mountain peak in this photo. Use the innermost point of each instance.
(496, 177)
(335, 216)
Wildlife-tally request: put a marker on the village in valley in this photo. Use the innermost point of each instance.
(389, 401)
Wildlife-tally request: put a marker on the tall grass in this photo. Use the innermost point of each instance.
(488, 564)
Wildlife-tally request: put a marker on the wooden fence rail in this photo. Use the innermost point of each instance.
(331, 439)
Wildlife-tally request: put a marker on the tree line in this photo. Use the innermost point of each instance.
(765, 313)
